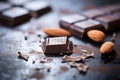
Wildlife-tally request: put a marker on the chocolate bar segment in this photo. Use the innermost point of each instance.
(110, 22)
(57, 45)
(37, 8)
(67, 21)
(14, 16)
(92, 13)
(80, 29)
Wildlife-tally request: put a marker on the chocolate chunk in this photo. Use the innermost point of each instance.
(80, 29)
(57, 45)
(66, 21)
(110, 22)
(92, 13)
(14, 16)
(4, 6)
(37, 8)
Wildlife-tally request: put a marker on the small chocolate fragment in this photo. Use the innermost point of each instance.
(37, 8)
(57, 45)
(92, 13)
(82, 67)
(80, 29)
(66, 21)
(23, 56)
(14, 16)
(69, 58)
(110, 22)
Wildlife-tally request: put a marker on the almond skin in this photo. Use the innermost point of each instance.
(96, 35)
(56, 32)
(106, 47)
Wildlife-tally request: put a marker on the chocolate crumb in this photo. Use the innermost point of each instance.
(23, 56)
(48, 70)
(26, 38)
(39, 35)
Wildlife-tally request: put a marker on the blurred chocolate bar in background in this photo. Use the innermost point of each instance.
(105, 18)
(26, 9)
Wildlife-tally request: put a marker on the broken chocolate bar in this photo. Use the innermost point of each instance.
(110, 22)
(37, 8)
(57, 45)
(14, 16)
(80, 29)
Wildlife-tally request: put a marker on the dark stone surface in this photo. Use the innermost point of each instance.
(12, 41)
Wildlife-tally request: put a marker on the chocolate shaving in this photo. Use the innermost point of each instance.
(84, 55)
(23, 56)
(82, 67)
(69, 58)
(73, 64)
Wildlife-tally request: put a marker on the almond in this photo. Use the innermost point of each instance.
(96, 35)
(107, 47)
(56, 32)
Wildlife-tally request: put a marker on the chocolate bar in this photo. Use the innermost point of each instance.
(92, 13)
(80, 29)
(67, 21)
(14, 16)
(57, 45)
(4, 6)
(110, 22)
(37, 8)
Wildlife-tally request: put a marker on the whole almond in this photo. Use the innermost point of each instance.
(96, 35)
(56, 32)
(107, 47)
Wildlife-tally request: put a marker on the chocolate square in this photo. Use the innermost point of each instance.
(37, 8)
(110, 22)
(14, 16)
(92, 13)
(57, 45)
(80, 29)
(66, 21)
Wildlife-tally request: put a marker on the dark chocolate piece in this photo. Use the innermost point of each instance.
(37, 8)
(92, 13)
(14, 16)
(80, 29)
(66, 21)
(57, 45)
(110, 22)
(4, 6)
